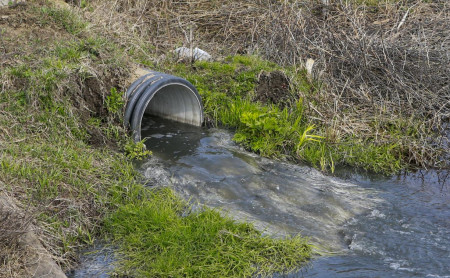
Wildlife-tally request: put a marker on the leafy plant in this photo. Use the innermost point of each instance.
(305, 137)
(136, 150)
(271, 131)
(114, 102)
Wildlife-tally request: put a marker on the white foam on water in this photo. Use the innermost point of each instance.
(377, 214)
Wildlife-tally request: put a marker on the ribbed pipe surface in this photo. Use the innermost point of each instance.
(162, 95)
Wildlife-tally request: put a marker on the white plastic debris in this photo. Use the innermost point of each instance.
(195, 54)
(309, 66)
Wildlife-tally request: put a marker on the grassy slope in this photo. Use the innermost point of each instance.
(375, 109)
(50, 163)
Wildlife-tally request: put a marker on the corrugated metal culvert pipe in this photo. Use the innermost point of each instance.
(162, 95)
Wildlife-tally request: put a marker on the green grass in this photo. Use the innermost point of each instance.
(228, 91)
(161, 237)
(79, 192)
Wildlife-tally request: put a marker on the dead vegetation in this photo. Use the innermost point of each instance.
(382, 65)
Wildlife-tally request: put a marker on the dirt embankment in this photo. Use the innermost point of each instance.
(55, 78)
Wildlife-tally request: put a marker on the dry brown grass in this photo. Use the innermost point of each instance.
(380, 65)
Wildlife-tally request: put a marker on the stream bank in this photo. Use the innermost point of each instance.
(365, 225)
(60, 69)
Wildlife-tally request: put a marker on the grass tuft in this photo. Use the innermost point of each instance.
(161, 237)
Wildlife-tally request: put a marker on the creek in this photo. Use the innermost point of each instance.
(364, 225)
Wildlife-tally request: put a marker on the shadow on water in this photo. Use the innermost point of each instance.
(375, 226)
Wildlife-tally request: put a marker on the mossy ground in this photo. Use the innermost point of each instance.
(60, 132)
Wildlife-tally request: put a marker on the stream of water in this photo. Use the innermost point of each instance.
(366, 225)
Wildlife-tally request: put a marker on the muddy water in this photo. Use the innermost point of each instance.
(365, 226)
(376, 226)
(280, 198)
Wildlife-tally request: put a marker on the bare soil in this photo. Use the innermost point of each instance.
(273, 88)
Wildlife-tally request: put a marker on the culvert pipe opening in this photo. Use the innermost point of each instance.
(162, 95)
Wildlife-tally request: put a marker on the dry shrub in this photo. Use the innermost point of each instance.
(379, 63)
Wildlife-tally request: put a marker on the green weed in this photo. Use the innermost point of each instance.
(228, 88)
(136, 150)
(269, 130)
(160, 236)
(115, 101)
